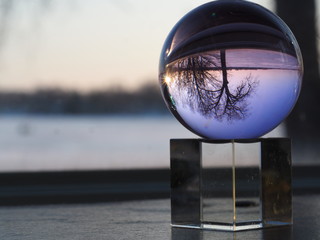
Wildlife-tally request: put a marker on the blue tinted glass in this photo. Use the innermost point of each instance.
(230, 70)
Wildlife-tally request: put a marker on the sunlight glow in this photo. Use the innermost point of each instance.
(167, 80)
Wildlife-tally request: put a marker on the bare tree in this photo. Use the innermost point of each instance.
(208, 93)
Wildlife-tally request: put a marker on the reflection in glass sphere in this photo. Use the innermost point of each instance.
(230, 70)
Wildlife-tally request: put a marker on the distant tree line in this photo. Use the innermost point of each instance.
(145, 100)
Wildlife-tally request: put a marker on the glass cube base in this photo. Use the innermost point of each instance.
(250, 189)
(242, 226)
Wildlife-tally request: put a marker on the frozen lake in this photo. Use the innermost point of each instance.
(46, 143)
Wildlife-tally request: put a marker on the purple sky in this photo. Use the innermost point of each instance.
(260, 58)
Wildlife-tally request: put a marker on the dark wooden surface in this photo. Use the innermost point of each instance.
(36, 188)
(145, 219)
(118, 205)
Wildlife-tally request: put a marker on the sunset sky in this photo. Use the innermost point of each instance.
(86, 45)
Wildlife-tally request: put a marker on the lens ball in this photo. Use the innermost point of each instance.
(230, 70)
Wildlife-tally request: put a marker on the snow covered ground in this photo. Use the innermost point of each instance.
(49, 143)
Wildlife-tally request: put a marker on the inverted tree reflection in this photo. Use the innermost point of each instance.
(205, 79)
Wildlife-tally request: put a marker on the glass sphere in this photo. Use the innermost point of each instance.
(230, 70)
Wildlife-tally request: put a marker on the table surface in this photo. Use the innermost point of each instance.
(148, 219)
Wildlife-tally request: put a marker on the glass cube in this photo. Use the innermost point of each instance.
(231, 185)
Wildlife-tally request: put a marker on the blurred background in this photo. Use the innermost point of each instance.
(79, 88)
